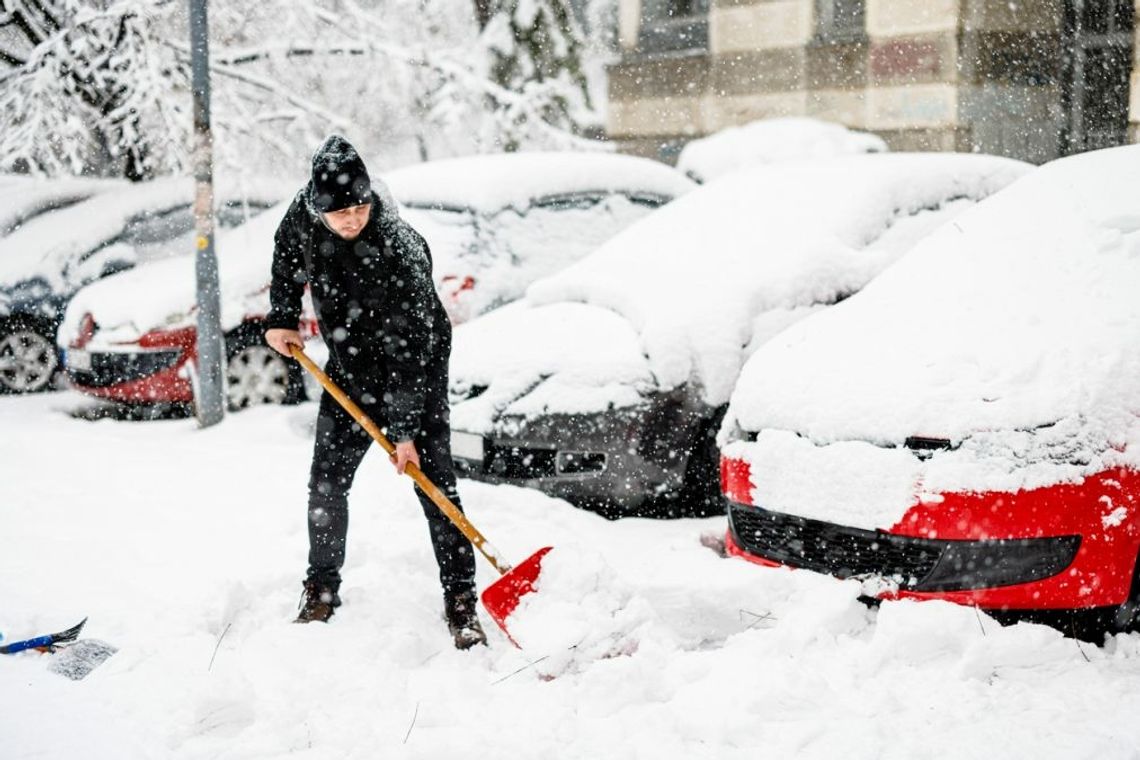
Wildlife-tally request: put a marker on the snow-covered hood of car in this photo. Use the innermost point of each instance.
(864, 485)
(1014, 333)
(524, 361)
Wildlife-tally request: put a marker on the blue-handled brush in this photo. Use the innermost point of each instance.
(45, 642)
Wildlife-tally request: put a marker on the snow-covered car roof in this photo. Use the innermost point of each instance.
(772, 141)
(51, 246)
(1013, 334)
(23, 197)
(491, 183)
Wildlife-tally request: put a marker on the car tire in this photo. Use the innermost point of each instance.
(700, 494)
(29, 360)
(256, 374)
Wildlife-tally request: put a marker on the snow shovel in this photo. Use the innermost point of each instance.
(76, 658)
(501, 597)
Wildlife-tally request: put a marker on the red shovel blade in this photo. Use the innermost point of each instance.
(503, 596)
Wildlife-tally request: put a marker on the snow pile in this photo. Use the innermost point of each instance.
(1014, 333)
(772, 141)
(732, 660)
(490, 183)
(693, 277)
(579, 612)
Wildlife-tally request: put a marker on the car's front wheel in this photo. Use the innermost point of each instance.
(28, 358)
(256, 374)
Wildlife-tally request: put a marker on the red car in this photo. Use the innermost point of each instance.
(967, 428)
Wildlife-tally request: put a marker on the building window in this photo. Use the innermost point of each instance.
(674, 26)
(840, 20)
(1097, 70)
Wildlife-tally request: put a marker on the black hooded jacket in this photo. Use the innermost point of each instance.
(388, 335)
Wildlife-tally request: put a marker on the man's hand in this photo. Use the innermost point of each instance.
(279, 339)
(405, 453)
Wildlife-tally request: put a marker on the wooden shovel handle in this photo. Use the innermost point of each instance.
(477, 539)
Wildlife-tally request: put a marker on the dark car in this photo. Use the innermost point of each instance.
(84, 237)
(607, 383)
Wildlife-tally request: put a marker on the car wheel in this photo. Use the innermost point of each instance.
(28, 357)
(256, 374)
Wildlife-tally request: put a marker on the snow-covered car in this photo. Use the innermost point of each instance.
(512, 218)
(606, 384)
(772, 141)
(967, 428)
(23, 197)
(494, 224)
(68, 233)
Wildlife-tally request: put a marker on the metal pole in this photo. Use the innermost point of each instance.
(210, 390)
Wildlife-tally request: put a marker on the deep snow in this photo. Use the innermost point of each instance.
(186, 547)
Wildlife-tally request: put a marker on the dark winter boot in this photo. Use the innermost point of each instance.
(462, 621)
(318, 602)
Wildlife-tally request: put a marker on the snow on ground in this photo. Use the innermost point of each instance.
(186, 549)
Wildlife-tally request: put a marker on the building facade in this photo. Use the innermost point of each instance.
(1031, 79)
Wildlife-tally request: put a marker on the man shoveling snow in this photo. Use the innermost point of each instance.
(389, 341)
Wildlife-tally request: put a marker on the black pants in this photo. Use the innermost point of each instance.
(339, 448)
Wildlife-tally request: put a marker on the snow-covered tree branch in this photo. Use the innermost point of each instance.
(103, 85)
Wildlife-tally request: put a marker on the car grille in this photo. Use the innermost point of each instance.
(113, 368)
(827, 548)
(520, 462)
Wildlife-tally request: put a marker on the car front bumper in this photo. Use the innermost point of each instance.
(1050, 548)
(612, 461)
(142, 376)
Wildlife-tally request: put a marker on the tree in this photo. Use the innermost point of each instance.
(103, 85)
(535, 47)
(87, 80)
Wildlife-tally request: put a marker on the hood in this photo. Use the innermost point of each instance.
(525, 361)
